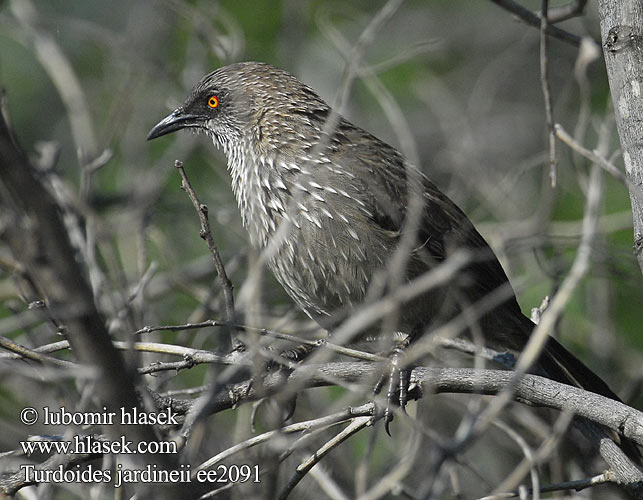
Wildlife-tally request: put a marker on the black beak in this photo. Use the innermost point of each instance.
(177, 120)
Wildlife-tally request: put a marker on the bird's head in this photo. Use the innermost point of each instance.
(248, 101)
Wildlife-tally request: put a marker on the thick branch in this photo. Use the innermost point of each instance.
(530, 389)
(621, 31)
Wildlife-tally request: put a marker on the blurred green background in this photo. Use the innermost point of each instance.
(86, 77)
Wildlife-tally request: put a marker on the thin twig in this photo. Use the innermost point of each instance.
(45, 349)
(528, 463)
(58, 67)
(206, 234)
(327, 484)
(364, 411)
(578, 485)
(528, 458)
(571, 281)
(392, 479)
(544, 82)
(26, 353)
(587, 54)
(574, 8)
(355, 426)
(534, 20)
(339, 349)
(599, 160)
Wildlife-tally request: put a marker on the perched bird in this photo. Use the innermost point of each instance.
(329, 203)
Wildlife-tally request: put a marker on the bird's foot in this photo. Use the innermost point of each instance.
(397, 379)
(282, 404)
(289, 357)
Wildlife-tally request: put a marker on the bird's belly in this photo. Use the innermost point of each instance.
(326, 277)
(328, 264)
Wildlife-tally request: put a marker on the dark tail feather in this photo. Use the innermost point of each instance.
(562, 366)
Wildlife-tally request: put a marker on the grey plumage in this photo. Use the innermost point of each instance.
(330, 206)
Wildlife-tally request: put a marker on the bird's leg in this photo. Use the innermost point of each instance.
(398, 376)
(292, 356)
(283, 363)
(298, 353)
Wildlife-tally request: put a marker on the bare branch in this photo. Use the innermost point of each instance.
(318, 424)
(544, 83)
(26, 353)
(622, 35)
(206, 234)
(529, 389)
(578, 485)
(574, 8)
(534, 20)
(303, 468)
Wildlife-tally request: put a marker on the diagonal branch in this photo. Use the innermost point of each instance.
(534, 20)
(206, 234)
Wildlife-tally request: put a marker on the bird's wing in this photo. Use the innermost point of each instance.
(443, 227)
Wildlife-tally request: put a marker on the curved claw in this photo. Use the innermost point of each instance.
(397, 387)
(285, 408)
(253, 414)
(282, 364)
(291, 406)
(387, 420)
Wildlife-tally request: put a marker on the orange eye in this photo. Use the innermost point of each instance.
(213, 102)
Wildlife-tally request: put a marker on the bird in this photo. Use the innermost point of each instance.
(331, 205)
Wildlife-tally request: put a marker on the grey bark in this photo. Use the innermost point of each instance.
(621, 33)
